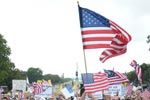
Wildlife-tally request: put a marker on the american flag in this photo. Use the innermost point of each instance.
(146, 95)
(115, 77)
(137, 69)
(94, 82)
(100, 32)
(130, 89)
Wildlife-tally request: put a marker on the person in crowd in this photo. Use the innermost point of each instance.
(91, 96)
(5, 98)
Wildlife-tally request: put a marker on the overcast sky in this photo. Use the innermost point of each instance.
(46, 34)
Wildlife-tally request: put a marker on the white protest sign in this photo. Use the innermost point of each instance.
(47, 92)
(98, 95)
(113, 89)
(19, 85)
(123, 91)
(66, 93)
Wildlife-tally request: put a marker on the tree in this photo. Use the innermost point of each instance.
(4, 60)
(146, 73)
(132, 76)
(8, 72)
(6, 66)
(54, 78)
(34, 74)
(15, 74)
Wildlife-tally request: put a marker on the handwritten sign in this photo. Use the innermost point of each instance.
(113, 89)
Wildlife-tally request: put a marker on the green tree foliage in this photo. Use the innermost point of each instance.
(34, 74)
(67, 79)
(15, 74)
(132, 76)
(146, 73)
(54, 78)
(5, 64)
(7, 68)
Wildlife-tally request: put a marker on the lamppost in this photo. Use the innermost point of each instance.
(148, 41)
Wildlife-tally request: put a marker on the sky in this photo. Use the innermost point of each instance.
(46, 34)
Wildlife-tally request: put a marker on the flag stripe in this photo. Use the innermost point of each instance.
(100, 31)
(97, 39)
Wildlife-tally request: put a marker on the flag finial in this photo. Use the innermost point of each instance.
(78, 2)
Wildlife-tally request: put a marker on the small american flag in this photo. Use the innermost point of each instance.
(130, 89)
(137, 69)
(116, 77)
(100, 32)
(94, 82)
(146, 95)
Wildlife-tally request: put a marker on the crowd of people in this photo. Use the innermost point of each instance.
(135, 95)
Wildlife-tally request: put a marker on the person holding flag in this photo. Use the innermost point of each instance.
(137, 69)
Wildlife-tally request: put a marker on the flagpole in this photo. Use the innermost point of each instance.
(85, 61)
(82, 43)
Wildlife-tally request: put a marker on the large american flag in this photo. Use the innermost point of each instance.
(94, 82)
(116, 77)
(137, 69)
(100, 32)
